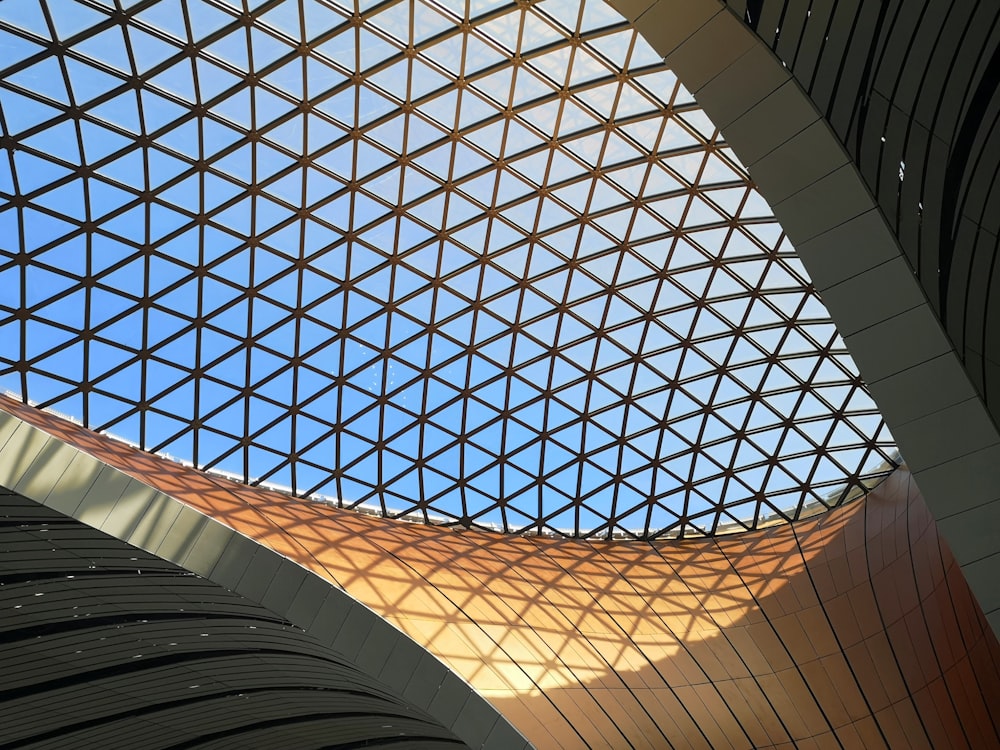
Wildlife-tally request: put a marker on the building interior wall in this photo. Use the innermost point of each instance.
(852, 629)
(104, 645)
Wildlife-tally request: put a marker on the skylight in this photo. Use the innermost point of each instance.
(475, 263)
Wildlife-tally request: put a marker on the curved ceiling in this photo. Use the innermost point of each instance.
(482, 264)
(118, 645)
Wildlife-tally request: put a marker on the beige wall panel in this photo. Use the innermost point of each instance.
(747, 699)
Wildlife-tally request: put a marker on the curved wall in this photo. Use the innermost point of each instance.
(912, 91)
(103, 645)
(805, 93)
(853, 629)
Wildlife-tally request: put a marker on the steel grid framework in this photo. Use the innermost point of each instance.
(483, 264)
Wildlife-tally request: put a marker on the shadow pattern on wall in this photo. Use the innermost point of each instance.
(854, 629)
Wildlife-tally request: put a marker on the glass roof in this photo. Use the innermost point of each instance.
(477, 263)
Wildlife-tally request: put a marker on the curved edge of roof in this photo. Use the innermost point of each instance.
(944, 430)
(44, 469)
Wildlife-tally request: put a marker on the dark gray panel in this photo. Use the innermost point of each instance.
(811, 47)
(845, 109)
(796, 16)
(103, 645)
(825, 85)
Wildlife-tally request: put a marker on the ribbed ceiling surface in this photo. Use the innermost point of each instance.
(106, 646)
(485, 264)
